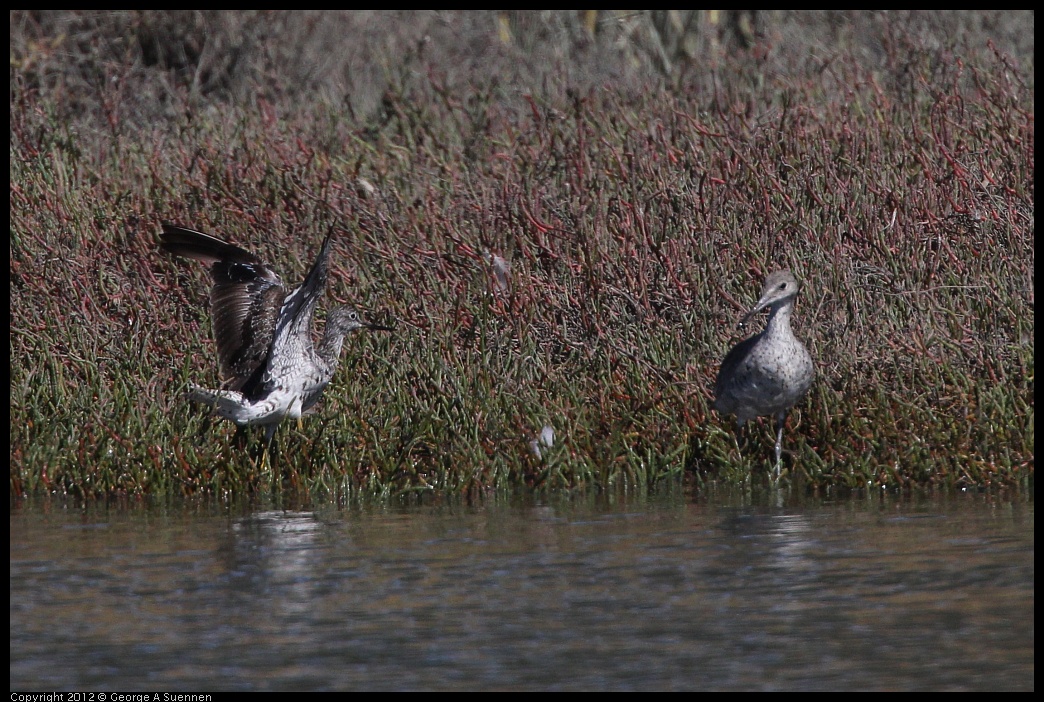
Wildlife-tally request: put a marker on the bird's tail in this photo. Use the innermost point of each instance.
(226, 403)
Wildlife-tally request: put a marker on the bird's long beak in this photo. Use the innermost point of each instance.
(762, 304)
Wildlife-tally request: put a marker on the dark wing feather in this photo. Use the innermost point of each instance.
(729, 388)
(296, 313)
(245, 299)
(293, 325)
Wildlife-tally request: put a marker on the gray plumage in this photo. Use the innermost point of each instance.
(269, 366)
(770, 372)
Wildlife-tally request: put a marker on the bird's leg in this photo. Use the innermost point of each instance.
(240, 437)
(741, 439)
(780, 420)
(266, 458)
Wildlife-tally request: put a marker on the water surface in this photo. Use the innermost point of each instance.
(661, 594)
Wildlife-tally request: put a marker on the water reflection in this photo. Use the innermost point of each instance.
(667, 594)
(274, 554)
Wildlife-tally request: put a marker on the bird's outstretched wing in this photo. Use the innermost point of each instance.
(246, 297)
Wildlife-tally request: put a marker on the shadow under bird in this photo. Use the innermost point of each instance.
(770, 372)
(269, 366)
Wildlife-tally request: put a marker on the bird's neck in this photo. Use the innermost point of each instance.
(329, 348)
(779, 319)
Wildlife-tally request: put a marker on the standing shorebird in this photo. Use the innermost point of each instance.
(270, 368)
(770, 372)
